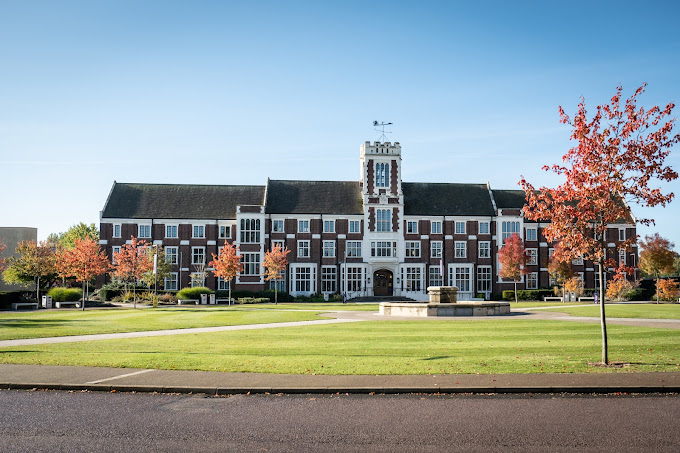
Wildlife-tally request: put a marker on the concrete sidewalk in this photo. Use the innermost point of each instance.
(216, 383)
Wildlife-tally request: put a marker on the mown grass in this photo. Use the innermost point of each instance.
(526, 304)
(40, 324)
(648, 311)
(377, 348)
(319, 306)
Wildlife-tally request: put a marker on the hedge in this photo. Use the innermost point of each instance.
(61, 294)
(528, 294)
(268, 294)
(193, 293)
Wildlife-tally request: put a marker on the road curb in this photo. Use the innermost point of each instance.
(334, 390)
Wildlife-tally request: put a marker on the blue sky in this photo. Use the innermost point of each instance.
(235, 92)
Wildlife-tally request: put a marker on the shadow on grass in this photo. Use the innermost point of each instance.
(23, 323)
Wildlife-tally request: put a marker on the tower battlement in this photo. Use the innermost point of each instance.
(381, 148)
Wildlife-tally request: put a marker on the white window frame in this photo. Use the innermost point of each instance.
(194, 255)
(484, 249)
(328, 249)
(279, 242)
(484, 279)
(486, 229)
(622, 257)
(303, 246)
(172, 283)
(142, 229)
(355, 226)
(531, 234)
(329, 226)
(532, 280)
(329, 277)
(460, 227)
(120, 229)
(436, 227)
(303, 226)
(435, 278)
(114, 250)
(460, 249)
(382, 174)
(222, 284)
(170, 255)
(197, 228)
(508, 228)
(383, 249)
(454, 278)
(278, 226)
(383, 220)
(412, 227)
(169, 229)
(413, 278)
(436, 249)
(622, 234)
(250, 230)
(222, 229)
(354, 278)
(412, 249)
(532, 255)
(353, 249)
(251, 264)
(577, 261)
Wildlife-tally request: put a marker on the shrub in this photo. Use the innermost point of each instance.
(637, 294)
(618, 289)
(668, 290)
(526, 294)
(167, 298)
(60, 294)
(193, 293)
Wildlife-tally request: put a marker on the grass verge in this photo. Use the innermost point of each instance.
(375, 348)
(648, 311)
(41, 324)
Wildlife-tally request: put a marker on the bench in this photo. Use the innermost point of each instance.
(590, 298)
(228, 301)
(555, 298)
(61, 304)
(186, 301)
(15, 306)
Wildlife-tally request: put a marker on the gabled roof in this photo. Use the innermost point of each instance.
(422, 198)
(175, 201)
(314, 197)
(509, 199)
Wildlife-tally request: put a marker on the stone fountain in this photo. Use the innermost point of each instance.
(444, 302)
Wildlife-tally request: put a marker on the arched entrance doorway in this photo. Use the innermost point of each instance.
(382, 283)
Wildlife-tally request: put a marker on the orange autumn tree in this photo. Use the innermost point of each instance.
(560, 269)
(656, 257)
(275, 263)
(3, 261)
(667, 289)
(618, 159)
(84, 261)
(131, 263)
(513, 260)
(227, 264)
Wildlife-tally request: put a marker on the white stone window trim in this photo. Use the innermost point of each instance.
(460, 246)
(300, 247)
(486, 249)
(330, 247)
(142, 229)
(169, 227)
(303, 226)
(479, 227)
(330, 224)
(120, 230)
(460, 227)
(193, 255)
(200, 228)
(436, 249)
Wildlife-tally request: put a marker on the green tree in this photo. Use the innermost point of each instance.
(79, 231)
(163, 267)
(35, 261)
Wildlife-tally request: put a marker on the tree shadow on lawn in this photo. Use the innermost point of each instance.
(30, 323)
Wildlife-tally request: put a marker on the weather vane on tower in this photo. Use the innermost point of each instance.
(382, 138)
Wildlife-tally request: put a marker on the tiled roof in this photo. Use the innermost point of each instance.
(446, 199)
(509, 199)
(179, 201)
(314, 197)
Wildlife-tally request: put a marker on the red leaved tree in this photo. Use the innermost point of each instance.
(513, 260)
(227, 264)
(131, 263)
(620, 153)
(275, 263)
(84, 261)
(656, 257)
(561, 269)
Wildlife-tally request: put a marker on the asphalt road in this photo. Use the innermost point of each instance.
(81, 421)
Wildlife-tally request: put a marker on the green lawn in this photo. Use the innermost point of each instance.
(540, 304)
(375, 347)
(317, 306)
(53, 323)
(649, 311)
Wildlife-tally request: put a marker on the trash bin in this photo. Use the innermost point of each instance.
(204, 299)
(47, 301)
(212, 299)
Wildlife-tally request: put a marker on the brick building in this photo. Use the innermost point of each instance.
(375, 236)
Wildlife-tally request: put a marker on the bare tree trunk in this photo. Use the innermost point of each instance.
(603, 321)
(37, 289)
(515, 291)
(84, 293)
